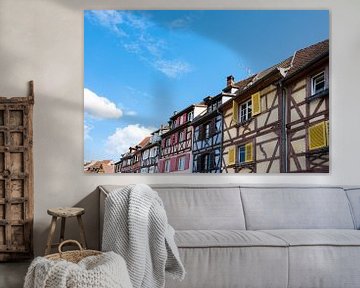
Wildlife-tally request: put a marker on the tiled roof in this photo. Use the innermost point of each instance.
(306, 55)
(144, 142)
(290, 65)
(94, 166)
(243, 83)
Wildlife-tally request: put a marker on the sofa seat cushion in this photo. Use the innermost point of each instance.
(226, 238)
(317, 237)
(322, 258)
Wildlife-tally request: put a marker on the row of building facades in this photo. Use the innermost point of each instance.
(276, 121)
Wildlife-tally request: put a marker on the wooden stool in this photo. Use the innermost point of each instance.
(64, 213)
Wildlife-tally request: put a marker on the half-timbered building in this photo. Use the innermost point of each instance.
(207, 135)
(258, 122)
(125, 165)
(130, 161)
(176, 144)
(150, 153)
(306, 96)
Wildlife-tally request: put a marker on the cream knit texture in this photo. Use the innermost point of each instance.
(136, 227)
(102, 271)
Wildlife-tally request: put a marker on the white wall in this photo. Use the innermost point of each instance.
(43, 40)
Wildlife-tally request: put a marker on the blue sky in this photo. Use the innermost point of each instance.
(140, 66)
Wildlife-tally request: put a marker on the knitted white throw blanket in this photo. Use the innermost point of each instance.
(103, 271)
(136, 227)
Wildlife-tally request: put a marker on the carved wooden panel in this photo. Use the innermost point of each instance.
(16, 177)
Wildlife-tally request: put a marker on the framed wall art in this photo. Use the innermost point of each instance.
(235, 91)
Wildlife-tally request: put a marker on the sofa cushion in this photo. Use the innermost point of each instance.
(296, 208)
(324, 266)
(220, 267)
(315, 237)
(226, 238)
(191, 207)
(322, 258)
(203, 207)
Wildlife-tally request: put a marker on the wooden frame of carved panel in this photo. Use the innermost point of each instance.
(16, 177)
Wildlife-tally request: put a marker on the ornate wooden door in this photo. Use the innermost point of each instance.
(16, 177)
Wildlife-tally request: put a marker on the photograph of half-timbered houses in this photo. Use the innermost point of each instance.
(278, 122)
(177, 92)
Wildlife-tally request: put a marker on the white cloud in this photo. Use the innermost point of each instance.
(172, 68)
(110, 19)
(100, 107)
(119, 142)
(181, 22)
(136, 36)
(130, 113)
(87, 129)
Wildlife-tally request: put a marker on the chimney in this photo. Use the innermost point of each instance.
(229, 80)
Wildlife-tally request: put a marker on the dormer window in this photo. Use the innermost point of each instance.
(190, 116)
(318, 83)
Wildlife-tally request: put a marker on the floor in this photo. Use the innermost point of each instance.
(12, 274)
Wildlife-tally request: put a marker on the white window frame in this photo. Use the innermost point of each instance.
(168, 142)
(167, 166)
(241, 152)
(182, 136)
(245, 111)
(181, 163)
(190, 116)
(145, 154)
(207, 130)
(313, 82)
(153, 151)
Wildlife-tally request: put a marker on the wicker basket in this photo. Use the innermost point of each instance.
(72, 256)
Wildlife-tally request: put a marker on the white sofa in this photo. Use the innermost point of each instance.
(242, 236)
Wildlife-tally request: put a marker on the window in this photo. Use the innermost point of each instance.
(181, 136)
(154, 151)
(145, 155)
(190, 116)
(245, 111)
(245, 153)
(241, 154)
(181, 163)
(205, 162)
(167, 165)
(207, 130)
(167, 142)
(318, 83)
